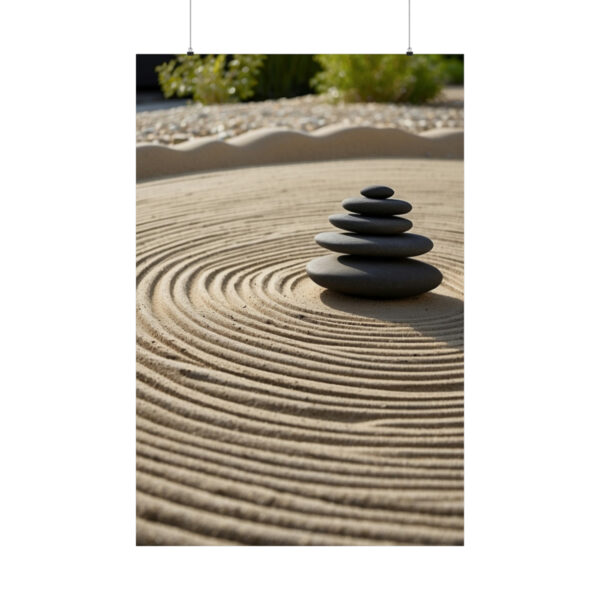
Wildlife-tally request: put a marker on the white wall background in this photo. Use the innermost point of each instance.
(333, 26)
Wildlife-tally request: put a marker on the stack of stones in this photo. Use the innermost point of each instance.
(373, 260)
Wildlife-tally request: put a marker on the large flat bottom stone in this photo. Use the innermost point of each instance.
(373, 277)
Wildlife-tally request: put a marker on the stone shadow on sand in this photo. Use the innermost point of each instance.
(434, 315)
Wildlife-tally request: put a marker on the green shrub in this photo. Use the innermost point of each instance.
(210, 79)
(285, 76)
(380, 77)
(454, 68)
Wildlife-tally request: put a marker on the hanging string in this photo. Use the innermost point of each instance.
(190, 51)
(409, 51)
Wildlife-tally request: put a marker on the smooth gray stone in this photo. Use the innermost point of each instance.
(377, 191)
(375, 225)
(372, 277)
(398, 246)
(376, 208)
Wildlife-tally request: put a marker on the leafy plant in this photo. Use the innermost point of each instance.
(454, 68)
(212, 78)
(285, 76)
(380, 77)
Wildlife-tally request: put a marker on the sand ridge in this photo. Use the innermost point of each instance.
(277, 145)
(271, 411)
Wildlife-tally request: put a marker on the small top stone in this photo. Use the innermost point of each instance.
(379, 192)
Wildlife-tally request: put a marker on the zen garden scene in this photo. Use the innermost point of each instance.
(300, 302)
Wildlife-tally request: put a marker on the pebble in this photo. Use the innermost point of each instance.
(400, 246)
(373, 278)
(377, 191)
(178, 138)
(303, 113)
(376, 225)
(377, 208)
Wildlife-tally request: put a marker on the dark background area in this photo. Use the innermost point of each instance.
(148, 93)
(145, 68)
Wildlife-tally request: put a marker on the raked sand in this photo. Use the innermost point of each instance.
(275, 145)
(271, 411)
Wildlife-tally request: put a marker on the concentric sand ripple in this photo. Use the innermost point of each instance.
(271, 411)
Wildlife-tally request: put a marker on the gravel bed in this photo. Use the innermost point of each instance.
(304, 113)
